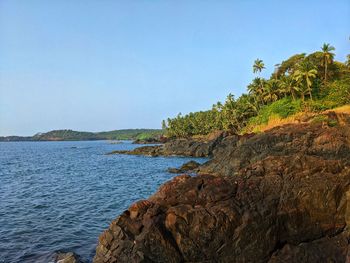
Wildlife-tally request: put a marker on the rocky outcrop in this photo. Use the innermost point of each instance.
(152, 151)
(151, 140)
(188, 167)
(66, 257)
(306, 139)
(192, 147)
(280, 196)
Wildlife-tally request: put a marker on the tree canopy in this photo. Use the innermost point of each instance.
(303, 81)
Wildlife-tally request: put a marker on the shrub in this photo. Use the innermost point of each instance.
(282, 108)
(339, 93)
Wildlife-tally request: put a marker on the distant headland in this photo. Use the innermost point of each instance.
(70, 135)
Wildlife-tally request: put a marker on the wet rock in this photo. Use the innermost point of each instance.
(190, 166)
(152, 151)
(66, 257)
(116, 142)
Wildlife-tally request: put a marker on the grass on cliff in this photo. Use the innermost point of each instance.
(277, 113)
(285, 111)
(343, 109)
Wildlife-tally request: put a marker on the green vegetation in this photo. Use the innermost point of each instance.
(302, 83)
(130, 134)
(64, 135)
(282, 108)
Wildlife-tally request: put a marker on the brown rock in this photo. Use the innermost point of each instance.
(193, 147)
(66, 257)
(280, 196)
(190, 166)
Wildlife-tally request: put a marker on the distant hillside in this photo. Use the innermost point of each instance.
(130, 134)
(65, 135)
(15, 138)
(70, 135)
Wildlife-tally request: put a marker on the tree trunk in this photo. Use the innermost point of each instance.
(310, 93)
(293, 96)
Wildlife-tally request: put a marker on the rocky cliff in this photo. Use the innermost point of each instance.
(279, 196)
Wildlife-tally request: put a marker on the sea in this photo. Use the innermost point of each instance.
(60, 196)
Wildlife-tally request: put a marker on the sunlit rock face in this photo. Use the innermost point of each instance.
(280, 196)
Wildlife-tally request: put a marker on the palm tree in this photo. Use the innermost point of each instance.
(289, 86)
(245, 108)
(230, 120)
(217, 106)
(217, 111)
(258, 65)
(256, 90)
(305, 72)
(327, 57)
(271, 90)
(255, 95)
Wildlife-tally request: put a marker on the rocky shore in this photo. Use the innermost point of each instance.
(279, 196)
(151, 140)
(192, 147)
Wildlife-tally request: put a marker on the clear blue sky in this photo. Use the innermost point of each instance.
(104, 65)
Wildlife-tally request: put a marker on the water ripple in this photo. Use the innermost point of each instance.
(59, 196)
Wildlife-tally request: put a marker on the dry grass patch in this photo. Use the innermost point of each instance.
(276, 120)
(342, 109)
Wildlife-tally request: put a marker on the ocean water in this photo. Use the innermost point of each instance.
(59, 196)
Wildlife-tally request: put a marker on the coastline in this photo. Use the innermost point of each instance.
(272, 190)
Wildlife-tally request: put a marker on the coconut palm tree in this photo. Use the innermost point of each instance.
(258, 65)
(256, 90)
(289, 86)
(328, 57)
(253, 92)
(217, 111)
(305, 74)
(271, 91)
